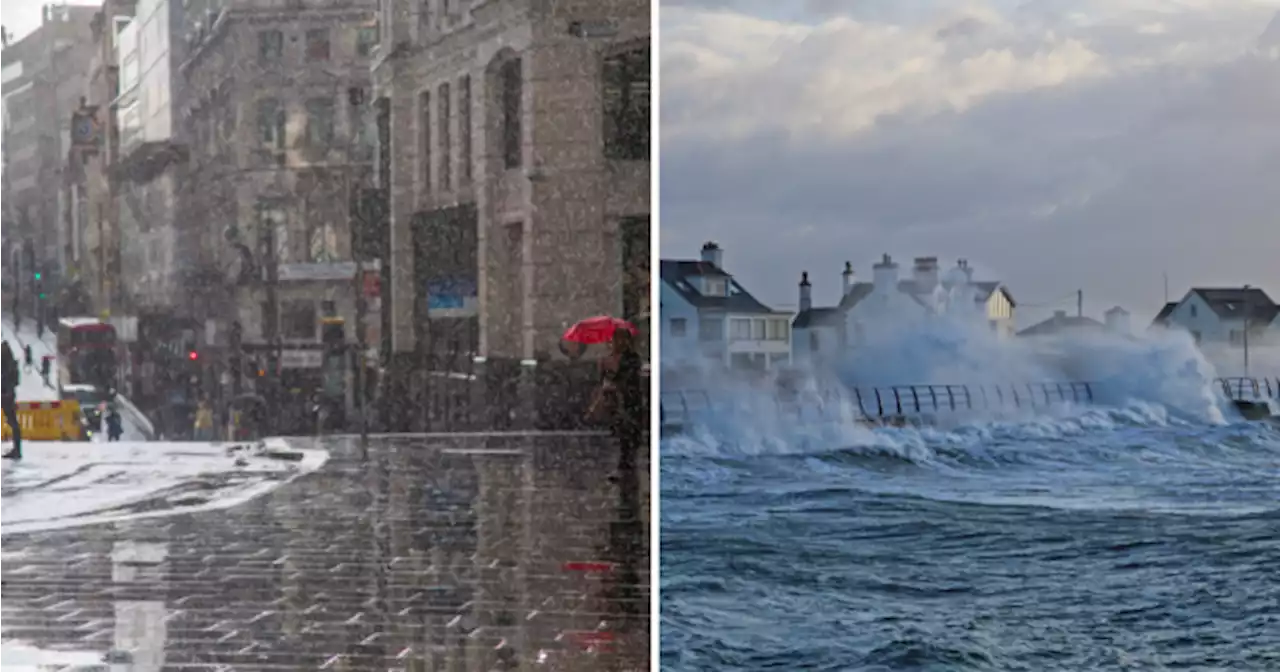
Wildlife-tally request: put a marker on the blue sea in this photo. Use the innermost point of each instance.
(1139, 532)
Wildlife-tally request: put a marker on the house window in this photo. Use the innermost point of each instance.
(715, 286)
(318, 44)
(1237, 337)
(271, 122)
(424, 141)
(777, 330)
(1193, 312)
(270, 45)
(679, 327)
(512, 92)
(759, 330)
(814, 343)
(464, 129)
(634, 264)
(362, 131)
(711, 330)
(446, 139)
(626, 105)
(273, 230)
(320, 123)
(366, 40)
(740, 330)
(298, 320)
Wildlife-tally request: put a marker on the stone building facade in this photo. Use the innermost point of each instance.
(515, 162)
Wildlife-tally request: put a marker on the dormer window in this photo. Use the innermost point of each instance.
(715, 287)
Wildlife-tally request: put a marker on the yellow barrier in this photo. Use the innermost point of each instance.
(47, 421)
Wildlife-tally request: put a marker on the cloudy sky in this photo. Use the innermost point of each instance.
(1057, 144)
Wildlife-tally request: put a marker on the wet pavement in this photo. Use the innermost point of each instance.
(451, 552)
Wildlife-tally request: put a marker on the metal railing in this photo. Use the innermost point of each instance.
(905, 403)
(892, 403)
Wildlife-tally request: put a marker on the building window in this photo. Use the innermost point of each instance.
(424, 141)
(366, 41)
(1193, 312)
(759, 330)
(814, 344)
(464, 129)
(318, 44)
(715, 286)
(679, 327)
(1195, 335)
(446, 139)
(740, 330)
(271, 122)
(777, 330)
(270, 45)
(298, 320)
(512, 94)
(634, 264)
(362, 131)
(626, 105)
(320, 123)
(273, 231)
(1236, 337)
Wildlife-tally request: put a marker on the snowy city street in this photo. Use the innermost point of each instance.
(482, 548)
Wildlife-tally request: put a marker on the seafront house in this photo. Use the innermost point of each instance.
(1217, 317)
(820, 332)
(1116, 321)
(708, 317)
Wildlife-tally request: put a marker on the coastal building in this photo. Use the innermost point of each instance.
(708, 317)
(1221, 316)
(1062, 324)
(889, 299)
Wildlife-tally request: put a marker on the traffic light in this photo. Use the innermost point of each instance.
(193, 355)
(38, 275)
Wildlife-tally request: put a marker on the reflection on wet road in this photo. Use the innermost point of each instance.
(460, 552)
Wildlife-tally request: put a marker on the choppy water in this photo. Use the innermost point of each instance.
(1102, 539)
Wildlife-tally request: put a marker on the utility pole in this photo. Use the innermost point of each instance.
(1079, 303)
(1247, 308)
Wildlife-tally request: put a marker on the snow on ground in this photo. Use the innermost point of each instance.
(61, 485)
(18, 656)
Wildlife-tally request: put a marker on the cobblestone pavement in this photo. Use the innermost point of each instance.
(453, 552)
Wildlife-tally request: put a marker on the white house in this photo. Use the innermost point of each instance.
(1061, 324)
(888, 298)
(1220, 316)
(708, 316)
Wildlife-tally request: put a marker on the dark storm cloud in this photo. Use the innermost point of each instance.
(1101, 182)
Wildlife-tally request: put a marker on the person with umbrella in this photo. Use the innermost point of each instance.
(621, 390)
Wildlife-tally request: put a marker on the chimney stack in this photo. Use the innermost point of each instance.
(1117, 320)
(806, 292)
(847, 279)
(926, 274)
(712, 254)
(885, 275)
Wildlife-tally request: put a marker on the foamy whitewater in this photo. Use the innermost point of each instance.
(1139, 531)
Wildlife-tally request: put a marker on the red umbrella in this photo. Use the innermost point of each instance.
(594, 330)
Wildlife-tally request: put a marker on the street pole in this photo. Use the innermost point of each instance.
(271, 330)
(356, 220)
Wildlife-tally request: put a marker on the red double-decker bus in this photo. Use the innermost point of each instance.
(86, 352)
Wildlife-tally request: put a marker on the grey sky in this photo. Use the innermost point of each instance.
(1059, 144)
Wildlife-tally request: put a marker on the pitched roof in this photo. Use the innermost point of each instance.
(1237, 303)
(818, 317)
(1059, 323)
(1165, 312)
(678, 273)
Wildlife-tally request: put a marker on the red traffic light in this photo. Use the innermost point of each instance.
(193, 355)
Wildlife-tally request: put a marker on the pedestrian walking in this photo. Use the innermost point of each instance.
(10, 374)
(621, 396)
(46, 369)
(28, 362)
(115, 425)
